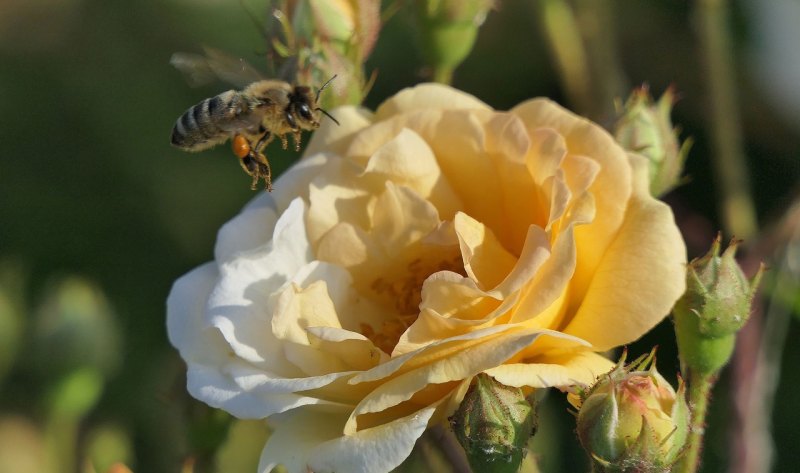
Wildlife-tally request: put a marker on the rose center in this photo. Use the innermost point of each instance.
(402, 294)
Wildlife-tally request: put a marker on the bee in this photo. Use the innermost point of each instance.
(251, 118)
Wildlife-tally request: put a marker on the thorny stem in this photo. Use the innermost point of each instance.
(699, 392)
(730, 170)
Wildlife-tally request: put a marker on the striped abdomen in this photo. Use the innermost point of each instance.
(213, 121)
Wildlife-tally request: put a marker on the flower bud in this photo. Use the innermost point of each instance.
(632, 420)
(324, 38)
(644, 127)
(448, 29)
(714, 307)
(493, 424)
(75, 329)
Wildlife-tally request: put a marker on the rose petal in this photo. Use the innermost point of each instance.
(335, 139)
(240, 304)
(441, 364)
(427, 97)
(639, 277)
(186, 327)
(323, 448)
(581, 367)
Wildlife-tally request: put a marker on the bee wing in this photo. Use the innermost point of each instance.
(215, 65)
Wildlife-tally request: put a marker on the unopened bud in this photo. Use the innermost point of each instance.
(448, 29)
(716, 304)
(632, 420)
(645, 127)
(494, 424)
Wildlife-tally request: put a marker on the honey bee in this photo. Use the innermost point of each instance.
(251, 117)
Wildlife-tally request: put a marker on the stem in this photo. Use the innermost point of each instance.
(730, 167)
(566, 46)
(699, 394)
(443, 75)
(598, 27)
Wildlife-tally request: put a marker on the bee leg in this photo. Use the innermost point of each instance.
(296, 135)
(284, 141)
(265, 139)
(266, 172)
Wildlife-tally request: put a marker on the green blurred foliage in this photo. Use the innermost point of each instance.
(90, 186)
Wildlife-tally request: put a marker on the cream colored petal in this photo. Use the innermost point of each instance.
(641, 275)
(542, 301)
(408, 160)
(215, 387)
(427, 97)
(240, 304)
(485, 259)
(186, 323)
(294, 182)
(335, 197)
(523, 201)
(546, 153)
(431, 326)
(400, 217)
(612, 187)
(250, 229)
(433, 365)
(296, 434)
(347, 246)
(535, 252)
(435, 349)
(335, 139)
(374, 450)
(353, 349)
(453, 295)
(299, 308)
(580, 367)
(405, 159)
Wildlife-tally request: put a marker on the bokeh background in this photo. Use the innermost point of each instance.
(99, 215)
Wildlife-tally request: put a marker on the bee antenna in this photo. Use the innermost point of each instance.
(328, 115)
(323, 88)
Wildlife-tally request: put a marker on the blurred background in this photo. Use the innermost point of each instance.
(99, 214)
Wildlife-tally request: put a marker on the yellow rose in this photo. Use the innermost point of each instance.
(410, 250)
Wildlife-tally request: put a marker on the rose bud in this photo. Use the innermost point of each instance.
(631, 420)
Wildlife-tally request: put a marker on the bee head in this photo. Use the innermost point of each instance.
(303, 106)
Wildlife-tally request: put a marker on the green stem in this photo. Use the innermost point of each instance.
(730, 167)
(699, 393)
(443, 75)
(566, 46)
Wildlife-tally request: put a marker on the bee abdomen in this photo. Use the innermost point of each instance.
(209, 122)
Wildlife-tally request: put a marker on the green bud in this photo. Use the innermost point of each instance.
(631, 420)
(324, 38)
(494, 423)
(645, 127)
(448, 29)
(715, 306)
(75, 329)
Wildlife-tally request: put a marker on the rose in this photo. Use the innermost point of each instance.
(410, 250)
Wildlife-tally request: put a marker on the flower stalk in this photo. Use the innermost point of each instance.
(708, 317)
